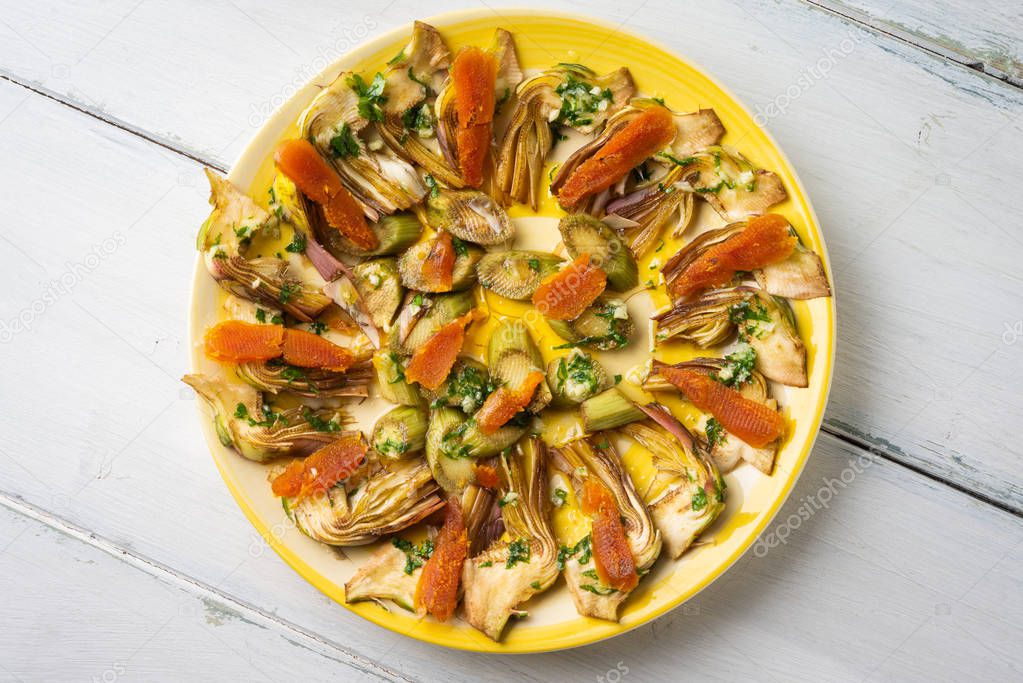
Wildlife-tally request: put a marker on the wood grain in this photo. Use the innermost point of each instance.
(987, 36)
(893, 558)
(911, 197)
(103, 462)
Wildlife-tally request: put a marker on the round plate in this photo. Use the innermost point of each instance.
(543, 39)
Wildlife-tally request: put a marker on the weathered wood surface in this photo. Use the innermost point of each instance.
(903, 153)
(987, 36)
(908, 159)
(897, 578)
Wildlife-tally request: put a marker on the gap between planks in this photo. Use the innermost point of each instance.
(845, 433)
(296, 634)
(864, 20)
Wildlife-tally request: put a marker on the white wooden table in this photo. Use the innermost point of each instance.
(122, 555)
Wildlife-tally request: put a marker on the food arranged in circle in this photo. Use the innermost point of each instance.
(426, 363)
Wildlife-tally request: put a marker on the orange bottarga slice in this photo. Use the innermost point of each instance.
(307, 350)
(439, 265)
(314, 177)
(473, 143)
(432, 361)
(437, 590)
(612, 554)
(567, 293)
(239, 342)
(505, 403)
(756, 424)
(765, 240)
(633, 144)
(323, 469)
(486, 476)
(473, 77)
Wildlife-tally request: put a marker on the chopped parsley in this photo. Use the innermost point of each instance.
(270, 418)
(738, 368)
(316, 327)
(461, 248)
(699, 499)
(260, 315)
(288, 290)
(488, 563)
(418, 120)
(715, 432)
(345, 144)
(686, 161)
(518, 551)
(415, 555)
(558, 497)
(581, 101)
(597, 589)
(391, 447)
(582, 549)
(399, 369)
(297, 244)
(467, 388)
(580, 372)
(510, 498)
(751, 317)
(291, 373)
(318, 423)
(535, 585)
(534, 264)
(277, 319)
(431, 183)
(371, 96)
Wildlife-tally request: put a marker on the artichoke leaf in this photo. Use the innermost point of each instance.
(412, 74)
(580, 459)
(257, 432)
(727, 450)
(696, 496)
(388, 500)
(800, 276)
(511, 570)
(380, 180)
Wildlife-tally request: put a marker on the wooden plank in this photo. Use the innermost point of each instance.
(910, 564)
(863, 547)
(906, 267)
(987, 36)
(74, 612)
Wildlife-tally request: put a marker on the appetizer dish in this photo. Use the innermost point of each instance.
(509, 335)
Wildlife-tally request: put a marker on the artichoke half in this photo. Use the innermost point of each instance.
(568, 94)
(509, 75)
(726, 449)
(664, 198)
(800, 276)
(696, 497)
(511, 570)
(380, 181)
(581, 459)
(224, 238)
(256, 431)
(729, 182)
(393, 571)
(276, 377)
(414, 77)
(386, 500)
(762, 321)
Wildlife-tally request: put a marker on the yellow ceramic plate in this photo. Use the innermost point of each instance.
(543, 39)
